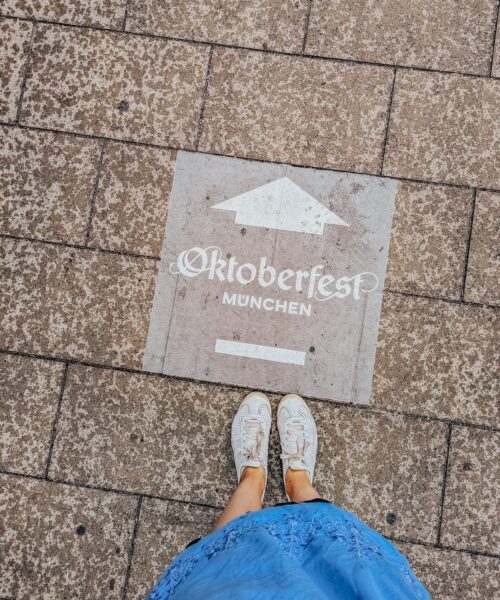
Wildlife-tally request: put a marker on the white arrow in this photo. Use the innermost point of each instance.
(281, 204)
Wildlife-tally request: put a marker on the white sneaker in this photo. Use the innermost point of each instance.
(250, 433)
(298, 436)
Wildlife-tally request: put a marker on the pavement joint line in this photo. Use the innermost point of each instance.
(78, 247)
(388, 121)
(468, 243)
(306, 26)
(26, 73)
(109, 490)
(130, 560)
(443, 299)
(376, 410)
(199, 129)
(445, 478)
(404, 540)
(188, 148)
(95, 191)
(56, 420)
(495, 29)
(125, 16)
(349, 61)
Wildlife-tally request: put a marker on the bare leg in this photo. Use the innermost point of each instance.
(298, 487)
(246, 497)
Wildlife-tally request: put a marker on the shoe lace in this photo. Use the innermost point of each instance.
(254, 434)
(295, 438)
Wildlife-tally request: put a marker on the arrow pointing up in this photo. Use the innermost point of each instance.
(281, 204)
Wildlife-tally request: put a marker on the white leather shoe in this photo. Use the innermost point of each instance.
(298, 436)
(250, 433)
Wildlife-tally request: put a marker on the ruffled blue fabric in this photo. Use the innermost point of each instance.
(306, 551)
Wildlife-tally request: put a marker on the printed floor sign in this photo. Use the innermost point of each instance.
(271, 277)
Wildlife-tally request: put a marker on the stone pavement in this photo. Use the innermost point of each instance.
(106, 471)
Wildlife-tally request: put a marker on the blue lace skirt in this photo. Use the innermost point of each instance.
(307, 551)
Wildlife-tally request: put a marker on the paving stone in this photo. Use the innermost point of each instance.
(267, 24)
(446, 35)
(172, 438)
(438, 359)
(109, 13)
(430, 229)
(62, 542)
(30, 392)
(81, 304)
(296, 110)
(15, 39)
(472, 506)
(115, 85)
(46, 183)
(483, 268)
(131, 204)
(444, 128)
(165, 528)
(451, 575)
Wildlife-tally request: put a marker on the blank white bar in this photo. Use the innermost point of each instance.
(282, 355)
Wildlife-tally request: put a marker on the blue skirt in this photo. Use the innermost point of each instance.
(299, 551)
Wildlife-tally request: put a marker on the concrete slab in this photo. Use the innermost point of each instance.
(471, 504)
(296, 110)
(132, 197)
(62, 542)
(46, 183)
(99, 13)
(271, 277)
(165, 528)
(438, 359)
(14, 45)
(81, 304)
(30, 391)
(446, 35)
(450, 575)
(125, 87)
(267, 24)
(461, 146)
(483, 268)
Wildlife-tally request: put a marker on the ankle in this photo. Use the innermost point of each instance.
(298, 486)
(255, 476)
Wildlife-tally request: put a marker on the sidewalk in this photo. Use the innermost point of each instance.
(106, 471)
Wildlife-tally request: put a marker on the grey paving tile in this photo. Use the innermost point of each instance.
(131, 203)
(430, 229)
(267, 24)
(438, 359)
(172, 438)
(165, 528)
(107, 13)
(446, 35)
(30, 392)
(14, 47)
(115, 85)
(472, 505)
(444, 128)
(450, 575)
(483, 269)
(46, 184)
(296, 110)
(80, 304)
(62, 542)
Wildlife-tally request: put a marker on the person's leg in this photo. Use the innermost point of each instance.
(298, 487)
(247, 497)
(299, 442)
(250, 442)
